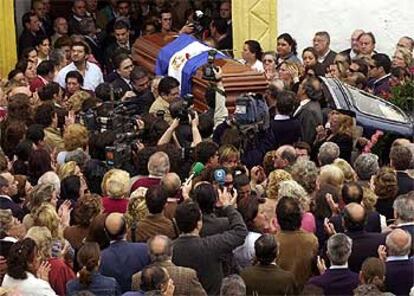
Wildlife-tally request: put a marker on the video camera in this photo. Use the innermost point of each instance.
(182, 108)
(120, 118)
(208, 69)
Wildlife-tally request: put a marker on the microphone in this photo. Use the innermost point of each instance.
(195, 171)
(220, 176)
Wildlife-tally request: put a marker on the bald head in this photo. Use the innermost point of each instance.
(115, 226)
(160, 248)
(354, 218)
(398, 243)
(171, 182)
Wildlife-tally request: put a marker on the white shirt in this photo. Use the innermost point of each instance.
(30, 286)
(257, 66)
(397, 258)
(92, 78)
(245, 253)
(333, 266)
(301, 104)
(281, 117)
(322, 58)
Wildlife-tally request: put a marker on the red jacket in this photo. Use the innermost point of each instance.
(112, 205)
(60, 273)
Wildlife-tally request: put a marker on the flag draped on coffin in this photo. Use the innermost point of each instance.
(181, 58)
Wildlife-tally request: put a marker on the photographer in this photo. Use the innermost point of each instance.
(140, 96)
(179, 130)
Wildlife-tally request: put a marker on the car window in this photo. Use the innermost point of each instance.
(371, 105)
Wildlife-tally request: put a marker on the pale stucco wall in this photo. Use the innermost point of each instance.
(387, 19)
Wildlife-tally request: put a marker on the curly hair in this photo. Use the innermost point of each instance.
(305, 173)
(86, 209)
(43, 238)
(332, 175)
(369, 199)
(75, 136)
(47, 216)
(40, 194)
(137, 208)
(349, 173)
(67, 169)
(77, 99)
(386, 183)
(293, 189)
(115, 183)
(274, 180)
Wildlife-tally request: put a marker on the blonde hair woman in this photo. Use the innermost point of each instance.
(402, 58)
(41, 194)
(115, 185)
(331, 175)
(60, 273)
(349, 173)
(229, 156)
(47, 216)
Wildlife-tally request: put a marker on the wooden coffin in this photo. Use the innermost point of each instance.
(237, 78)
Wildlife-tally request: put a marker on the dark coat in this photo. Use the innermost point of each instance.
(122, 259)
(309, 116)
(6, 204)
(100, 285)
(373, 223)
(26, 39)
(364, 245)
(268, 280)
(399, 276)
(120, 83)
(214, 225)
(336, 281)
(320, 68)
(285, 132)
(203, 254)
(405, 183)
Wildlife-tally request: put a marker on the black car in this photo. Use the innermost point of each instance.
(372, 113)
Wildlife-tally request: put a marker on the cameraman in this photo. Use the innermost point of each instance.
(140, 96)
(184, 131)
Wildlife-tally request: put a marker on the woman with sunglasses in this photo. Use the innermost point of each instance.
(269, 65)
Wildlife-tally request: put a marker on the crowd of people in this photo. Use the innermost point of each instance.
(194, 205)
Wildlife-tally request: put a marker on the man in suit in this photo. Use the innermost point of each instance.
(404, 214)
(284, 129)
(8, 188)
(297, 248)
(78, 14)
(122, 40)
(400, 159)
(87, 28)
(338, 279)
(31, 25)
(379, 75)
(185, 279)
(326, 56)
(204, 253)
(352, 53)
(399, 275)
(155, 222)
(123, 67)
(205, 196)
(364, 244)
(143, 97)
(122, 259)
(261, 278)
(309, 111)
(352, 192)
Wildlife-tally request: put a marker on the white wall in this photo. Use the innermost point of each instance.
(387, 19)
